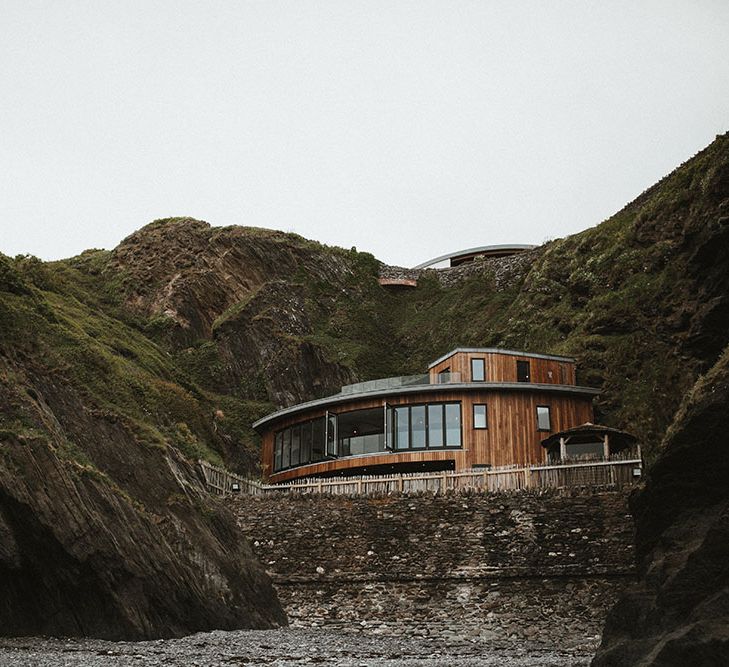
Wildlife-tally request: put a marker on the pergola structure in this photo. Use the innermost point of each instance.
(588, 440)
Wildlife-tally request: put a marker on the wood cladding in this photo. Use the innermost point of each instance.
(501, 367)
(512, 437)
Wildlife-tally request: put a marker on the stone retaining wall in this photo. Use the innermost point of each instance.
(505, 270)
(525, 566)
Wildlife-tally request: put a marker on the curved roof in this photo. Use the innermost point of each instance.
(337, 399)
(484, 249)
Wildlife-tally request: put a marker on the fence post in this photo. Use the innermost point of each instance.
(527, 477)
(401, 484)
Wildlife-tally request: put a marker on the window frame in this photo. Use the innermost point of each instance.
(443, 428)
(549, 418)
(520, 363)
(483, 362)
(284, 436)
(485, 416)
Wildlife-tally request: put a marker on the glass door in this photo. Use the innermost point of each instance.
(388, 426)
(331, 436)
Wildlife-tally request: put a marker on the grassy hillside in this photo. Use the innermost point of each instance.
(190, 332)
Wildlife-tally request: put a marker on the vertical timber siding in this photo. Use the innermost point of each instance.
(511, 438)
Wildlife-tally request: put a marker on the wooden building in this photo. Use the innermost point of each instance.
(475, 407)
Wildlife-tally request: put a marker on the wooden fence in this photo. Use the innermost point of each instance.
(614, 472)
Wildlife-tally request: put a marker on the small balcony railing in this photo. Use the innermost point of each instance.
(401, 381)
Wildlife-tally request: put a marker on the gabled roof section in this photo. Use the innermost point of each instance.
(498, 350)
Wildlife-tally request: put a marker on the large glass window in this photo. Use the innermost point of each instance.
(453, 424)
(306, 442)
(286, 458)
(299, 444)
(478, 370)
(417, 419)
(402, 428)
(361, 432)
(317, 439)
(295, 445)
(435, 425)
(480, 416)
(278, 451)
(543, 420)
(331, 438)
(522, 371)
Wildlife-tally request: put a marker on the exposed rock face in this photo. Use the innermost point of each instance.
(80, 558)
(105, 528)
(679, 614)
(242, 286)
(264, 338)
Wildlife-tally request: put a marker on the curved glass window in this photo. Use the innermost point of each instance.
(417, 418)
(360, 432)
(402, 428)
(299, 444)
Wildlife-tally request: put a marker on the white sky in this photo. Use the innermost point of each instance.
(407, 129)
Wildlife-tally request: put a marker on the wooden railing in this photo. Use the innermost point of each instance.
(615, 472)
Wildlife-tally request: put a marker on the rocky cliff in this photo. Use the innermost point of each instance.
(105, 528)
(679, 614)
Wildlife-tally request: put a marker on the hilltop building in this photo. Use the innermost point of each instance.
(476, 407)
(481, 252)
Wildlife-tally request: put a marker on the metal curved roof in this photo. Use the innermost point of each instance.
(479, 249)
(337, 399)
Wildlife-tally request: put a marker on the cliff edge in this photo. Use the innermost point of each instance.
(679, 613)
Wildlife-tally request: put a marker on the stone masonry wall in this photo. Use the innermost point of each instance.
(527, 566)
(505, 270)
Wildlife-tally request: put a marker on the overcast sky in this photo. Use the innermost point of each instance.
(407, 129)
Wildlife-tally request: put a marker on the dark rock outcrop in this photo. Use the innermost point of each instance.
(679, 613)
(265, 338)
(122, 542)
(106, 529)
